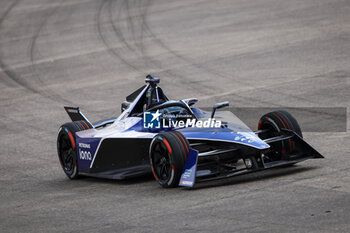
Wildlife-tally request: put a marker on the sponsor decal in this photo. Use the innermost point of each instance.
(86, 150)
(243, 137)
(72, 110)
(184, 182)
(84, 155)
(158, 120)
(187, 173)
(84, 145)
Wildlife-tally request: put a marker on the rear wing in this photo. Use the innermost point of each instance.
(75, 114)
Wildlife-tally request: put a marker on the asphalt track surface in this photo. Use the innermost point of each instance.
(92, 53)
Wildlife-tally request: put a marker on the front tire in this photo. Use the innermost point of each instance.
(274, 122)
(168, 154)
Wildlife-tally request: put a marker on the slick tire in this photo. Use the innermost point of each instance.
(66, 147)
(275, 121)
(168, 153)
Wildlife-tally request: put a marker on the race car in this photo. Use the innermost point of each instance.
(177, 142)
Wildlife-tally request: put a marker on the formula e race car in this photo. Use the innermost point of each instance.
(179, 143)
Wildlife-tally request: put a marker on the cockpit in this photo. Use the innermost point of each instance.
(152, 98)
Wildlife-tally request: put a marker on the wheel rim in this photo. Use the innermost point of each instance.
(161, 161)
(66, 154)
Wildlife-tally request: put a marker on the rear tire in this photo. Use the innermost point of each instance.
(274, 122)
(66, 147)
(168, 153)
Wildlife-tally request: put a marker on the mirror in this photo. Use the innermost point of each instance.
(218, 106)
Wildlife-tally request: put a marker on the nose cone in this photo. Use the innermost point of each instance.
(244, 138)
(249, 139)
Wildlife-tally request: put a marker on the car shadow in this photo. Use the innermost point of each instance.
(133, 180)
(246, 178)
(253, 177)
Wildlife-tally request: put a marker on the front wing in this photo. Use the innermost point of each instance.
(192, 173)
